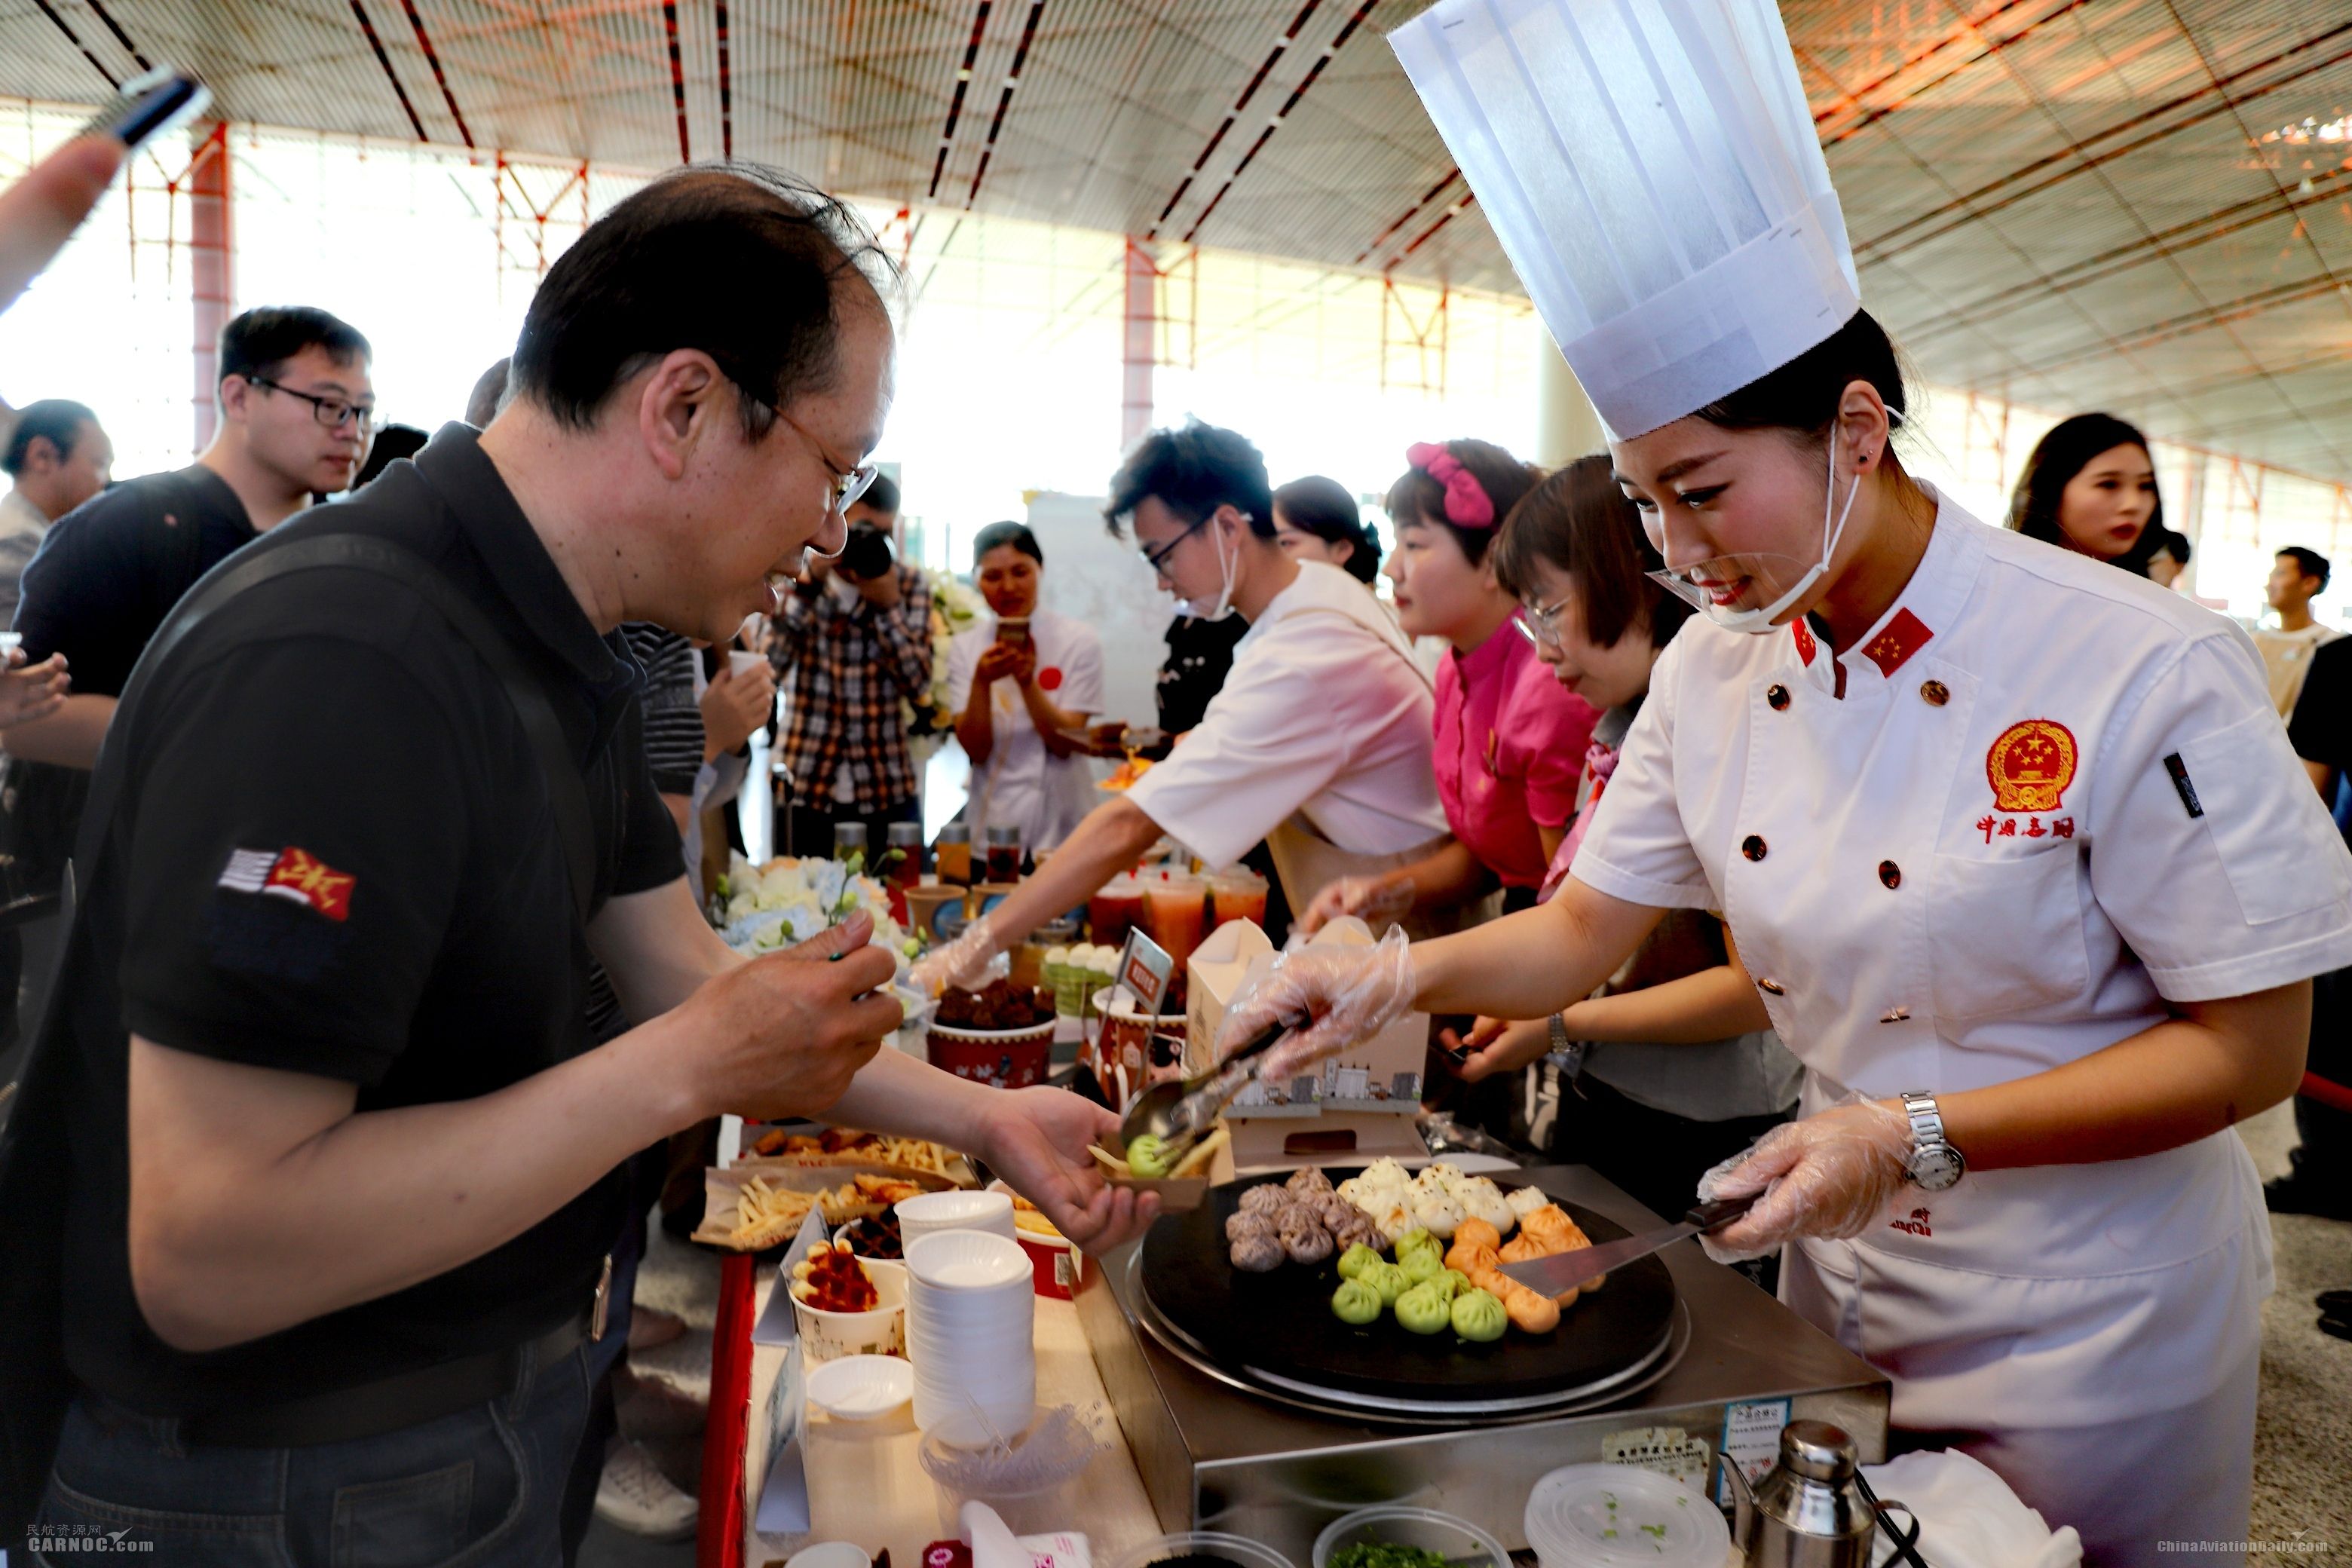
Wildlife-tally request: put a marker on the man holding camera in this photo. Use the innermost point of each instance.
(852, 644)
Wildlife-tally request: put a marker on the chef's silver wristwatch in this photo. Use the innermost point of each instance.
(1566, 1055)
(1935, 1164)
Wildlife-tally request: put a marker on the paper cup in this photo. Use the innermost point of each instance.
(966, 1261)
(739, 662)
(827, 1336)
(928, 1214)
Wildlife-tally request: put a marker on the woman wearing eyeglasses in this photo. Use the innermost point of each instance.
(1509, 738)
(1671, 1065)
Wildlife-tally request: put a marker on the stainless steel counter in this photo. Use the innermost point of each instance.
(1212, 1456)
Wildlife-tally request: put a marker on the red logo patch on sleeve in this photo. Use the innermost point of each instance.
(291, 873)
(1049, 678)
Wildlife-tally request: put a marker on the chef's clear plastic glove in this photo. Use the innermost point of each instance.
(1829, 1177)
(1379, 901)
(1346, 995)
(970, 962)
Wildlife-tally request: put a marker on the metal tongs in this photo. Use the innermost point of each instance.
(1181, 1113)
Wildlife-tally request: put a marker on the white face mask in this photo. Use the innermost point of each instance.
(1764, 572)
(1227, 564)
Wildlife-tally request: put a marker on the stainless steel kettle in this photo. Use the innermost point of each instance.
(1810, 1510)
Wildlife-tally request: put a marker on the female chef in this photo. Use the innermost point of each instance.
(2027, 877)
(2010, 841)
(1018, 701)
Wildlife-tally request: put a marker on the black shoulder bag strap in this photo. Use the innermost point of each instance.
(34, 1155)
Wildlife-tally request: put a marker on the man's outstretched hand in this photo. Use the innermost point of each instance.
(1037, 1140)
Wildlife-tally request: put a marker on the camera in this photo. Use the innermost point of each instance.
(867, 555)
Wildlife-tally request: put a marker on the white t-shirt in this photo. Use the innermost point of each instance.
(1021, 782)
(1324, 713)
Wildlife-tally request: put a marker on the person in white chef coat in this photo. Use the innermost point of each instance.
(2009, 841)
(1318, 742)
(1023, 700)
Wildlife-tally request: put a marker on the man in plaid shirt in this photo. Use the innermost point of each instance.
(853, 651)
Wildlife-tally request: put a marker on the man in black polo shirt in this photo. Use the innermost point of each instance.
(341, 1173)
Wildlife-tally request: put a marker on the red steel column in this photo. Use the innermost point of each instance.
(212, 251)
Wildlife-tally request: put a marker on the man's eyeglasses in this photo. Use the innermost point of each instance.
(1158, 559)
(329, 411)
(1539, 624)
(849, 483)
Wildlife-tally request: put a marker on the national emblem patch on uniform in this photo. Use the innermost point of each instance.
(2031, 765)
(291, 873)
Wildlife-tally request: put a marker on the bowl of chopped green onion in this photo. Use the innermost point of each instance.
(1393, 1535)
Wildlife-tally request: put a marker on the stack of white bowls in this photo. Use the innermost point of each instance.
(970, 1331)
(931, 1213)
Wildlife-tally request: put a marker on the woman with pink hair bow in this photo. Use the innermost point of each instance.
(1510, 741)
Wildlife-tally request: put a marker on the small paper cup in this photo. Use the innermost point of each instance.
(827, 1336)
(929, 1214)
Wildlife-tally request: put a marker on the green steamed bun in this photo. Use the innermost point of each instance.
(1418, 1240)
(1355, 1302)
(1353, 1261)
(1422, 1310)
(1421, 1266)
(1450, 1284)
(1385, 1278)
(1479, 1315)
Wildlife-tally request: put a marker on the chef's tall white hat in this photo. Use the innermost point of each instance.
(1651, 169)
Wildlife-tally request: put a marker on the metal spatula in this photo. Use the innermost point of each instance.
(1564, 1272)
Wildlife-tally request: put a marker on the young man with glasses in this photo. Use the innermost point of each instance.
(852, 644)
(296, 409)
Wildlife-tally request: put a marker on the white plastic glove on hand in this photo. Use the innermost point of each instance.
(1829, 1177)
(1349, 994)
(970, 961)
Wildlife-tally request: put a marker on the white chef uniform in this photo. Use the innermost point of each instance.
(2051, 797)
(1324, 714)
(1021, 782)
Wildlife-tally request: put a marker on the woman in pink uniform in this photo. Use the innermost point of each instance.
(1510, 740)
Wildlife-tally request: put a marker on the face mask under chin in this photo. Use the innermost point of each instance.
(1228, 563)
(1757, 591)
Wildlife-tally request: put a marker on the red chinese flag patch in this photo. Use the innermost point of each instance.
(1905, 634)
(301, 876)
(1803, 634)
